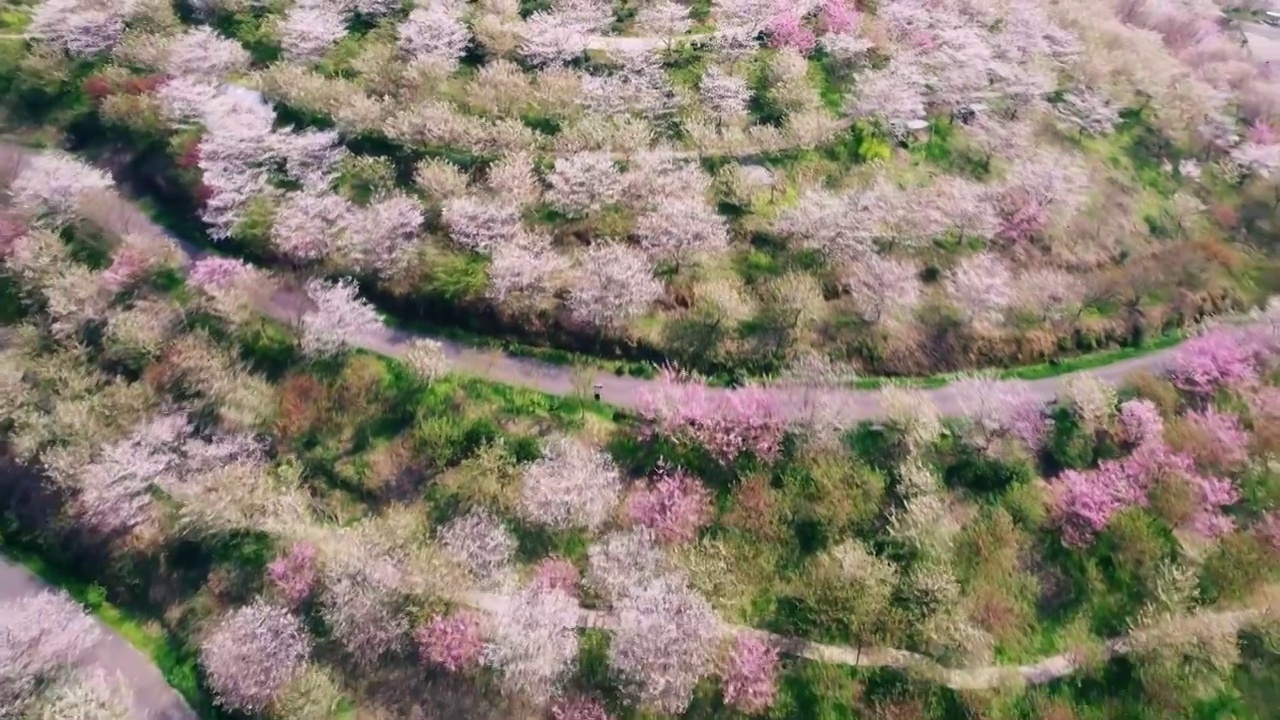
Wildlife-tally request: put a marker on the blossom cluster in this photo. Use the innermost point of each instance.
(726, 422)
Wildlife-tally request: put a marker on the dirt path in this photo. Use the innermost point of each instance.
(974, 678)
(153, 699)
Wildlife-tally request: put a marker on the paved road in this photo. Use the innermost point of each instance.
(288, 304)
(153, 699)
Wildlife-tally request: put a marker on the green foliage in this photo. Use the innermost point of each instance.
(1070, 445)
(979, 472)
(457, 277)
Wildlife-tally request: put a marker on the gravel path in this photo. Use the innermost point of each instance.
(153, 699)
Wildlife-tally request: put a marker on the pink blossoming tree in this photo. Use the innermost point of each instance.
(676, 506)
(726, 422)
(453, 642)
(1214, 360)
(294, 573)
(750, 674)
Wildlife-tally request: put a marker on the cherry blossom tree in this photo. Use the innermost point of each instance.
(623, 560)
(557, 573)
(478, 224)
(572, 485)
(340, 317)
(201, 52)
(362, 605)
(1216, 359)
(525, 271)
(678, 230)
(309, 227)
(750, 674)
(663, 17)
(584, 183)
(534, 643)
(434, 33)
(81, 28)
(613, 284)
(552, 38)
(453, 642)
(50, 186)
(836, 17)
(892, 94)
(86, 696)
(512, 178)
(481, 544)
(116, 488)
(727, 423)
(664, 643)
(1140, 421)
(724, 95)
(234, 154)
(40, 636)
(294, 573)
(310, 156)
(426, 359)
(310, 28)
(786, 29)
(676, 506)
(981, 287)
(1049, 293)
(1086, 501)
(1221, 443)
(251, 654)
(388, 234)
(883, 289)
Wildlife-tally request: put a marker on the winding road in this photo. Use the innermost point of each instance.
(287, 304)
(120, 216)
(153, 698)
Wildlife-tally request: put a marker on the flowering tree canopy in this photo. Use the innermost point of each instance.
(340, 317)
(453, 642)
(665, 642)
(534, 642)
(251, 654)
(572, 485)
(750, 674)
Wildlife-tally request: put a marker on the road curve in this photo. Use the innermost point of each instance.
(153, 698)
(287, 304)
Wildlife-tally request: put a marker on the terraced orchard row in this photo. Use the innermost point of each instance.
(320, 532)
(905, 187)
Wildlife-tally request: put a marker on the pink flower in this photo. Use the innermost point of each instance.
(128, 265)
(294, 573)
(452, 642)
(1028, 423)
(1261, 133)
(211, 273)
(557, 573)
(1224, 443)
(1219, 358)
(836, 17)
(1141, 421)
(726, 422)
(1085, 502)
(786, 30)
(751, 674)
(676, 506)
